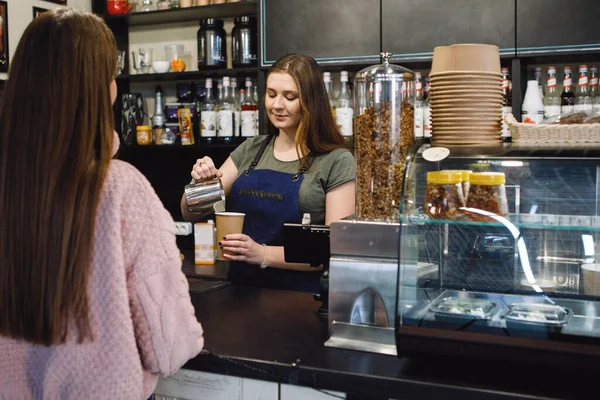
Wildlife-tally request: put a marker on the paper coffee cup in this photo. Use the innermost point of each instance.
(228, 223)
(591, 279)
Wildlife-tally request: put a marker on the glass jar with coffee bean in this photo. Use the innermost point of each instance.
(384, 131)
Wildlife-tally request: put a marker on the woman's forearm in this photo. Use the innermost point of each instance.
(276, 259)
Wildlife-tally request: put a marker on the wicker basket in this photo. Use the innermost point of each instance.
(552, 134)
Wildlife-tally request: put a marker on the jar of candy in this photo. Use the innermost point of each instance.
(488, 193)
(444, 195)
(466, 181)
(144, 134)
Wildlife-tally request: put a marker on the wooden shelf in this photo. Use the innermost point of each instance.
(179, 147)
(188, 75)
(228, 10)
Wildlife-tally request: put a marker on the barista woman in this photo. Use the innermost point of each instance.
(301, 166)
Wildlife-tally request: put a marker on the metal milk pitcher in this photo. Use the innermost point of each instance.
(205, 197)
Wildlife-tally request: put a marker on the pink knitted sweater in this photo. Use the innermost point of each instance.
(140, 309)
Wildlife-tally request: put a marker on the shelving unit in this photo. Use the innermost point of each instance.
(227, 10)
(187, 75)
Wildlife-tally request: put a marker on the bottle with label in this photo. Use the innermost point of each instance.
(594, 88)
(208, 115)
(249, 113)
(225, 118)
(532, 110)
(552, 99)
(235, 97)
(419, 106)
(538, 78)
(329, 88)
(427, 111)
(344, 112)
(255, 93)
(567, 97)
(158, 119)
(583, 100)
(506, 103)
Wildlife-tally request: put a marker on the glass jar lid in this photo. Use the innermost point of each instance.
(384, 71)
(466, 174)
(488, 178)
(447, 177)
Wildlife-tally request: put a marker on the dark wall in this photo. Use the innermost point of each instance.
(323, 29)
(343, 30)
(413, 27)
(557, 23)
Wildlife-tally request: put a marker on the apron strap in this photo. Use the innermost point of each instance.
(260, 153)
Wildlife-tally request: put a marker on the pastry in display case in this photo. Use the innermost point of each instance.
(518, 276)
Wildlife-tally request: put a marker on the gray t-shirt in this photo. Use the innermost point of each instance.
(327, 171)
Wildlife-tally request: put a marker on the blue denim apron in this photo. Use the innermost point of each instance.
(269, 199)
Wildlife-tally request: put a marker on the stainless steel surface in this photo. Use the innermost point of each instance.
(357, 287)
(364, 239)
(205, 197)
(363, 338)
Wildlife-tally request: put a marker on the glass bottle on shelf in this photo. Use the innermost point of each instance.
(255, 93)
(249, 113)
(567, 102)
(552, 99)
(583, 100)
(163, 5)
(594, 93)
(147, 6)
(158, 119)
(208, 115)
(427, 111)
(506, 103)
(236, 106)
(225, 118)
(419, 106)
(329, 88)
(344, 109)
(538, 78)
(384, 134)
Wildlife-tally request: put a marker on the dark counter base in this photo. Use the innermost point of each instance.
(275, 336)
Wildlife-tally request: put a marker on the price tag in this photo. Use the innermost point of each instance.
(435, 153)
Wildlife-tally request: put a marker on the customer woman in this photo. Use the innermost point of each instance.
(93, 303)
(302, 166)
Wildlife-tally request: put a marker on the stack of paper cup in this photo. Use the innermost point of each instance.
(466, 95)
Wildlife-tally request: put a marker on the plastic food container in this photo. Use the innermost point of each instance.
(143, 134)
(487, 192)
(444, 194)
(464, 308)
(536, 320)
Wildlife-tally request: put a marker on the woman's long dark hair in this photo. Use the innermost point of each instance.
(56, 125)
(317, 131)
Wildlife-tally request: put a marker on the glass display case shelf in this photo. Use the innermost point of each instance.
(522, 221)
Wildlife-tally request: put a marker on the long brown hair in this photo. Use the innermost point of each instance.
(317, 131)
(56, 126)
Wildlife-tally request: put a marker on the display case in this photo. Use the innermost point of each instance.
(514, 233)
